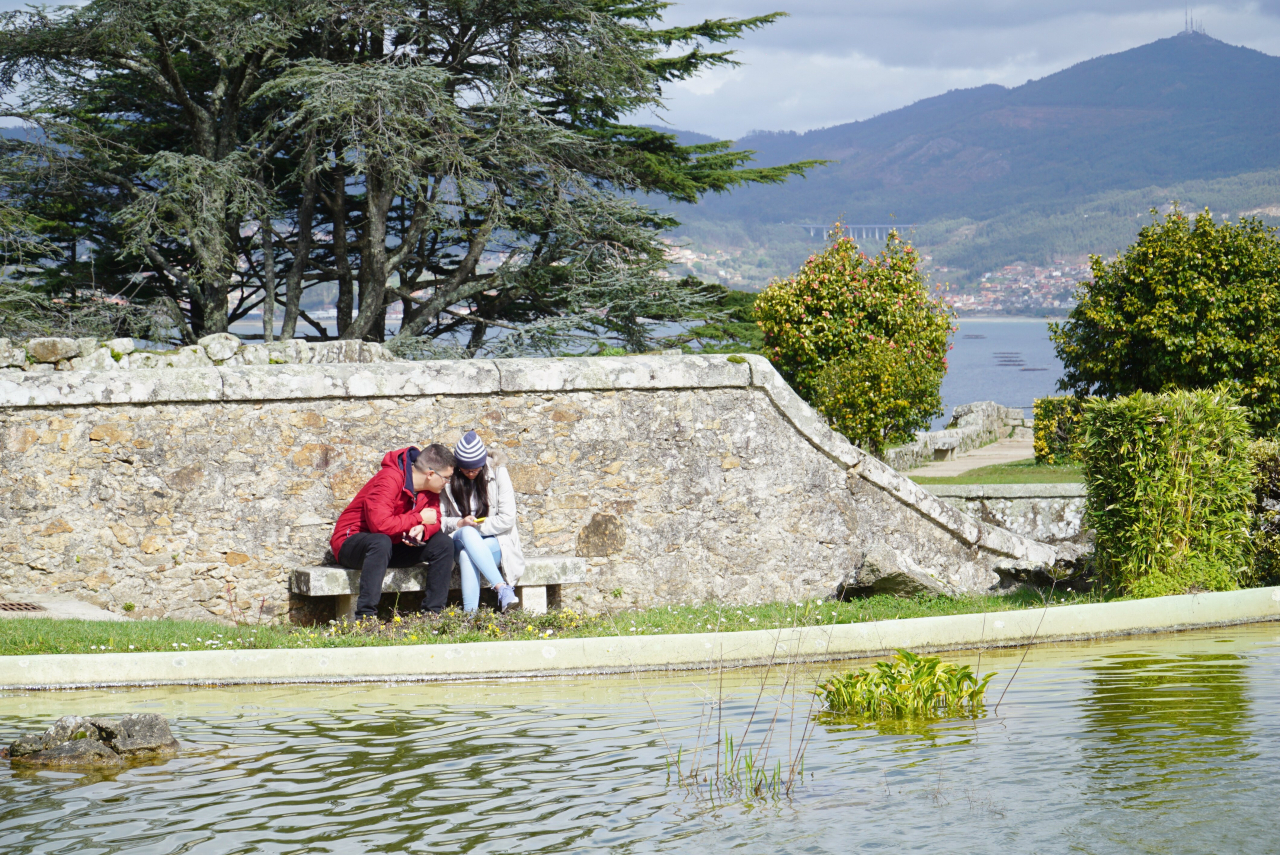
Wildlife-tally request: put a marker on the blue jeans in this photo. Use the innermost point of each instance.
(474, 552)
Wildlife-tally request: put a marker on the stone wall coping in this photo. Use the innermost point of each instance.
(370, 380)
(1008, 491)
(556, 657)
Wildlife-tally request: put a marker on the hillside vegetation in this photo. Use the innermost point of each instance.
(1058, 167)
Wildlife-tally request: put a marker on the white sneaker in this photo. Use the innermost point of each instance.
(507, 598)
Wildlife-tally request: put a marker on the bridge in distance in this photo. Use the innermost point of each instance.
(862, 234)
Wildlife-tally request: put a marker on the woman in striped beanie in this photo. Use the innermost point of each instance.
(478, 509)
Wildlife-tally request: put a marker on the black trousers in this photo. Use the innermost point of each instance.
(372, 554)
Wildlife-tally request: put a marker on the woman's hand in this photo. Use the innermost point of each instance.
(468, 520)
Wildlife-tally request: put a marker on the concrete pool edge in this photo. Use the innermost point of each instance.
(555, 657)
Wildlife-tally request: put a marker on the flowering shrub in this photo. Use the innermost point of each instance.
(1187, 306)
(879, 396)
(876, 317)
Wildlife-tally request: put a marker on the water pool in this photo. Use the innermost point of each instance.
(1162, 744)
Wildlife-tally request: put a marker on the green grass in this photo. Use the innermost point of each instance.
(28, 636)
(1017, 472)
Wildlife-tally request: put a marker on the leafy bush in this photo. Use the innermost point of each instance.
(1170, 487)
(1057, 428)
(909, 686)
(879, 396)
(842, 303)
(1187, 306)
(1266, 514)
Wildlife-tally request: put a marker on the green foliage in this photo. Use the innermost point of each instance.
(28, 312)
(1057, 429)
(51, 635)
(1266, 515)
(842, 305)
(1170, 487)
(911, 686)
(223, 157)
(879, 396)
(1188, 306)
(730, 322)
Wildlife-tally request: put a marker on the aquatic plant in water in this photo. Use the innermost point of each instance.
(910, 686)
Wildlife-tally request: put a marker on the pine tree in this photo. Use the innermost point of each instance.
(470, 159)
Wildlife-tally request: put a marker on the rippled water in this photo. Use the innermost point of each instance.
(1159, 744)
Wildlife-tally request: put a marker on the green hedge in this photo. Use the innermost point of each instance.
(1170, 491)
(1266, 514)
(1057, 429)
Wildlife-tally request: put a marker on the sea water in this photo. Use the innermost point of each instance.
(1009, 361)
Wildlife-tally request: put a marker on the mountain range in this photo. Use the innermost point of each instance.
(1110, 137)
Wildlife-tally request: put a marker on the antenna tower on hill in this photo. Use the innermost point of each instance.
(1190, 25)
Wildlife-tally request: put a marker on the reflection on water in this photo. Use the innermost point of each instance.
(1151, 745)
(1156, 721)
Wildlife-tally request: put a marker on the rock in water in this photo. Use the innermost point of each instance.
(96, 742)
(145, 735)
(76, 754)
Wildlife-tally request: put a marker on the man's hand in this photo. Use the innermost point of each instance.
(468, 520)
(428, 516)
(414, 536)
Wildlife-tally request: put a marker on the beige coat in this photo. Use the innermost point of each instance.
(501, 522)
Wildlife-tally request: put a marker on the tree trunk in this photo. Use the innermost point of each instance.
(341, 253)
(302, 249)
(373, 259)
(268, 281)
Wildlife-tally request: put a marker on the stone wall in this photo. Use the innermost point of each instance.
(1051, 513)
(971, 426)
(44, 355)
(193, 492)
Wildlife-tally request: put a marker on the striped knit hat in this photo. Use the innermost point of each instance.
(470, 452)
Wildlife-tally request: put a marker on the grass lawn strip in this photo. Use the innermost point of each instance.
(31, 636)
(1017, 472)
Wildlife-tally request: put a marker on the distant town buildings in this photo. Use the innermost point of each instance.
(1017, 289)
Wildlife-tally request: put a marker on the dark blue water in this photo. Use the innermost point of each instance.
(1010, 362)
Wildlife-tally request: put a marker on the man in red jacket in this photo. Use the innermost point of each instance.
(394, 521)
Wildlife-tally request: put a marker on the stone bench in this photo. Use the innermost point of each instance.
(538, 588)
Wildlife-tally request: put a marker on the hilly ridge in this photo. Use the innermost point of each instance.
(1132, 125)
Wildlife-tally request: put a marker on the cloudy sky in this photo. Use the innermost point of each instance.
(836, 61)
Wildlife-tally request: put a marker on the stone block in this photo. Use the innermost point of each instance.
(255, 354)
(12, 355)
(884, 570)
(220, 347)
(291, 352)
(99, 360)
(603, 536)
(121, 346)
(52, 350)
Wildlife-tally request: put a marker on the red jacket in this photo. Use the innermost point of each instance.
(387, 504)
